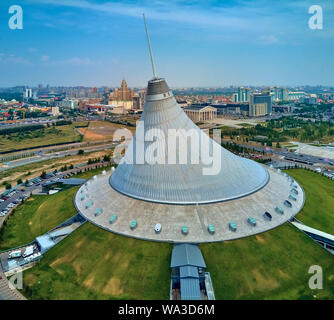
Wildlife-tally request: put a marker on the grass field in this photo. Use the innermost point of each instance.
(318, 211)
(272, 265)
(52, 135)
(36, 216)
(96, 264)
(245, 124)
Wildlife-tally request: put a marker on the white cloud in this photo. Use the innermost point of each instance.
(45, 58)
(78, 61)
(74, 61)
(32, 50)
(14, 60)
(164, 11)
(268, 39)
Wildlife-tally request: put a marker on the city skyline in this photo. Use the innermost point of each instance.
(98, 43)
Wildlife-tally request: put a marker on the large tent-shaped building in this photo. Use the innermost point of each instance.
(176, 184)
(147, 197)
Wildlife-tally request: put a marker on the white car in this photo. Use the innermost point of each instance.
(2, 200)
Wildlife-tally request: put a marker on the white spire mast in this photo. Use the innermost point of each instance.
(150, 49)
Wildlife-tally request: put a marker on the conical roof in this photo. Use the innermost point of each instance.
(183, 182)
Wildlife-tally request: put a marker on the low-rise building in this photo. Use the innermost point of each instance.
(200, 113)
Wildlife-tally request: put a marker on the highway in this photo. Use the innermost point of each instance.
(47, 156)
(297, 157)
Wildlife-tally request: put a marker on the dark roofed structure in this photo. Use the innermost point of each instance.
(188, 276)
(190, 289)
(73, 181)
(187, 254)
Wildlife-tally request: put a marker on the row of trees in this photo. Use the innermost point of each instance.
(21, 129)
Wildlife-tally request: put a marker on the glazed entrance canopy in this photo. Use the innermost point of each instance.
(180, 182)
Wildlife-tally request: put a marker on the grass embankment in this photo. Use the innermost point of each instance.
(39, 214)
(36, 216)
(318, 211)
(272, 265)
(96, 264)
(245, 124)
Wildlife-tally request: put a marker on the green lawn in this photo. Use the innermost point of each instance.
(318, 211)
(245, 124)
(47, 136)
(96, 264)
(40, 214)
(272, 265)
(36, 216)
(91, 173)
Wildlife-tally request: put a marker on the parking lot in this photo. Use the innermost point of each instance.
(11, 199)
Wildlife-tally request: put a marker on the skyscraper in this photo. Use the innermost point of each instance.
(242, 95)
(122, 97)
(260, 104)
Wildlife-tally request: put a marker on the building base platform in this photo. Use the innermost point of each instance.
(100, 204)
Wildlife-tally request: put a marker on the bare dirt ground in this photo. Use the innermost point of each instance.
(101, 130)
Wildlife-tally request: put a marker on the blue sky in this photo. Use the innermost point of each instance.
(195, 43)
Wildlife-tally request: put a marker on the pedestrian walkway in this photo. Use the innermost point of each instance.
(324, 239)
(6, 293)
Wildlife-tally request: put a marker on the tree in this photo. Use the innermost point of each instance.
(80, 152)
(8, 186)
(106, 158)
(19, 181)
(43, 175)
(71, 166)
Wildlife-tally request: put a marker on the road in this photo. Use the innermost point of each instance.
(298, 157)
(47, 156)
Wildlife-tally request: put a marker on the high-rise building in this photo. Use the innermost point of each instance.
(279, 94)
(122, 97)
(242, 95)
(260, 104)
(293, 96)
(27, 94)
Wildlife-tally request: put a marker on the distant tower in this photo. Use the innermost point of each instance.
(124, 91)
